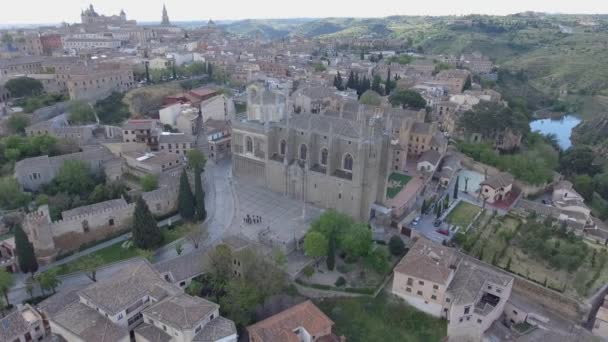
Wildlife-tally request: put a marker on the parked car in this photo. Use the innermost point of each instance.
(416, 221)
(443, 231)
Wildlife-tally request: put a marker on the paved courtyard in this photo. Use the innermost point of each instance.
(283, 218)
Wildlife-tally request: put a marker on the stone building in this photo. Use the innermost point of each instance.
(19, 66)
(95, 82)
(264, 104)
(219, 137)
(22, 325)
(31, 173)
(439, 281)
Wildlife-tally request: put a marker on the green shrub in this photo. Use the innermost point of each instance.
(340, 282)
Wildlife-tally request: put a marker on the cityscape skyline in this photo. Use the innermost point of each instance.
(30, 12)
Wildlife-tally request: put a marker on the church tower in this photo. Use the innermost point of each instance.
(165, 21)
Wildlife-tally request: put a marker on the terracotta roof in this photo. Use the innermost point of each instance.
(182, 311)
(281, 326)
(429, 261)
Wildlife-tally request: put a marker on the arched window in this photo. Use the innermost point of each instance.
(249, 143)
(348, 162)
(282, 147)
(324, 155)
(303, 152)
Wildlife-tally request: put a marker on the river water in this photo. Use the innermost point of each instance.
(561, 127)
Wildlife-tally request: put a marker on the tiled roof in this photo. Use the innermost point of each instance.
(184, 266)
(182, 311)
(499, 180)
(215, 330)
(322, 123)
(281, 326)
(12, 326)
(430, 156)
(128, 286)
(152, 333)
(429, 261)
(470, 279)
(89, 324)
(92, 208)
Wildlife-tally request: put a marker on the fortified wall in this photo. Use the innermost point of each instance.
(96, 222)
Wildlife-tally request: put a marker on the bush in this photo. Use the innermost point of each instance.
(396, 246)
(308, 271)
(340, 282)
(344, 268)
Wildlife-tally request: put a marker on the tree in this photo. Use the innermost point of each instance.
(338, 81)
(16, 123)
(488, 117)
(456, 188)
(357, 240)
(407, 99)
(424, 206)
(583, 184)
(371, 98)
(145, 233)
(578, 160)
(196, 159)
(29, 286)
(280, 259)
(81, 112)
(396, 246)
(331, 223)
(308, 271)
(11, 196)
(148, 183)
(350, 83)
(316, 244)
(6, 282)
(199, 194)
(508, 267)
(195, 288)
(388, 84)
(25, 252)
(185, 199)
(377, 84)
(377, 259)
(24, 86)
(112, 109)
(600, 184)
(74, 177)
(195, 233)
(48, 281)
(179, 248)
(240, 301)
(89, 264)
(331, 254)
(221, 264)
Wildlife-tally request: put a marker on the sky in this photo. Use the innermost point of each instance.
(56, 11)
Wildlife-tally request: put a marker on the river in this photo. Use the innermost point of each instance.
(561, 127)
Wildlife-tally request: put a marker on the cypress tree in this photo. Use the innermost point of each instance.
(185, 199)
(25, 252)
(201, 212)
(350, 83)
(331, 254)
(456, 187)
(388, 85)
(146, 234)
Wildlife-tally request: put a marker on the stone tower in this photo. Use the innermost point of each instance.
(165, 21)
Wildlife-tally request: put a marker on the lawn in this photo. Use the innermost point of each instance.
(120, 251)
(383, 318)
(463, 214)
(396, 182)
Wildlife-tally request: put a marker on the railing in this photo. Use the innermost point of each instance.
(135, 306)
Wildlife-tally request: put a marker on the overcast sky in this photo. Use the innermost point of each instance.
(55, 11)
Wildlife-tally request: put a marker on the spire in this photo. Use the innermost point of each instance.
(165, 21)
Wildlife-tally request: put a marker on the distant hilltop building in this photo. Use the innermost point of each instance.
(89, 16)
(165, 21)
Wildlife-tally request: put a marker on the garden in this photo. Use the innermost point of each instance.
(384, 318)
(463, 214)
(396, 182)
(541, 250)
(352, 261)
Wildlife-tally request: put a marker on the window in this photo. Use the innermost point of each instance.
(419, 293)
(111, 222)
(515, 312)
(282, 147)
(435, 287)
(85, 226)
(433, 297)
(447, 300)
(410, 281)
(498, 290)
(408, 289)
(420, 282)
(467, 309)
(324, 155)
(303, 152)
(348, 162)
(249, 144)
(164, 327)
(479, 321)
(339, 196)
(460, 320)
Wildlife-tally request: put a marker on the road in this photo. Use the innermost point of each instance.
(220, 205)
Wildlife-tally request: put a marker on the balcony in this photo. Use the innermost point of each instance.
(486, 304)
(259, 154)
